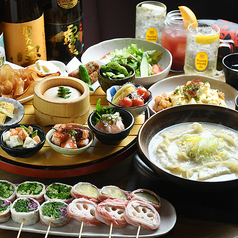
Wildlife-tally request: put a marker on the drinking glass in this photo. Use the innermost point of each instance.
(174, 36)
(150, 16)
(202, 45)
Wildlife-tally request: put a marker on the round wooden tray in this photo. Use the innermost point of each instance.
(49, 164)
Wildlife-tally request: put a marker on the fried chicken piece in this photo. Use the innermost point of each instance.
(161, 102)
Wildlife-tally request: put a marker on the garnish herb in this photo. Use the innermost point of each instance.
(54, 209)
(6, 189)
(100, 111)
(63, 92)
(58, 191)
(33, 134)
(29, 188)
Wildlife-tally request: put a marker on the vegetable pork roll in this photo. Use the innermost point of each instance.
(54, 212)
(58, 191)
(31, 189)
(27, 209)
(7, 190)
(5, 211)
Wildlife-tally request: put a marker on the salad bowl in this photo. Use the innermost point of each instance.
(101, 52)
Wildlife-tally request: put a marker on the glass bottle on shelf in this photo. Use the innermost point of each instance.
(63, 29)
(23, 30)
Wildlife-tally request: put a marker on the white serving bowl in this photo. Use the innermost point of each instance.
(96, 52)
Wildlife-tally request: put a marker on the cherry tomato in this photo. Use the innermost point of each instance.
(156, 69)
(125, 102)
(137, 102)
(143, 92)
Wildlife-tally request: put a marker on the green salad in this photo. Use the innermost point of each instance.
(142, 61)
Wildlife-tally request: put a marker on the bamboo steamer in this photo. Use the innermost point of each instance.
(51, 112)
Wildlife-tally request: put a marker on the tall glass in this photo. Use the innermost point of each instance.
(150, 16)
(174, 38)
(202, 45)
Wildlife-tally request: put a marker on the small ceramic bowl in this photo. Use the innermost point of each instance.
(106, 83)
(230, 67)
(18, 113)
(135, 111)
(26, 152)
(113, 138)
(69, 152)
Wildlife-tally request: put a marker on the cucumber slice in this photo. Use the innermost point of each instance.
(144, 66)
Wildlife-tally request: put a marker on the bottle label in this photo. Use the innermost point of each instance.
(25, 42)
(201, 61)
(65, 40)
(2, 51)
(151, 35)
(67, 4)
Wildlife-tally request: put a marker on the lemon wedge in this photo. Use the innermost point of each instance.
(208, 39)
(188, 16)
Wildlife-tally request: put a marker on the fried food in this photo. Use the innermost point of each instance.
(16, 83)
(92, 68)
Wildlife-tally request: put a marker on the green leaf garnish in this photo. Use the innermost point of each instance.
(100, 111)
(63, 92)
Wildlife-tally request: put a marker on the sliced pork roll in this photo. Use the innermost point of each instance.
(112, 192)
(84, 210)
(54, 212)
(27, 209)
(111, 211)
(147, 196)
(5, 211)
(140, 213)
(85, 190)
(31, 189)
(58, 191)
(7, 190)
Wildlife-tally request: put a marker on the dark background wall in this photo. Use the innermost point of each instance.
(108, 19)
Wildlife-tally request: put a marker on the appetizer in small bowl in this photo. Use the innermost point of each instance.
(22, 140)
(131, 97)
(69, 139)
(115, 74)
(11, 112)
(110, 124)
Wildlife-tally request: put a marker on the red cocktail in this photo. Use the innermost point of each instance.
(174, 38)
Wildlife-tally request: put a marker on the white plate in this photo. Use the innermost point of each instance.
(168, 85)
(74, 64)
(167, 214)
(59, 64)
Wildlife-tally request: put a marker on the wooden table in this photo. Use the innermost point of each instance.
(49, 164)
(119, 174)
